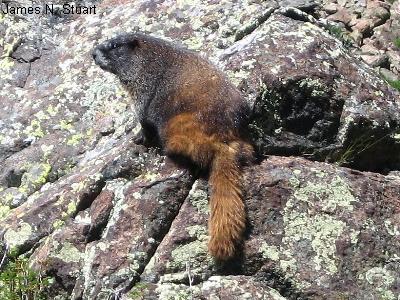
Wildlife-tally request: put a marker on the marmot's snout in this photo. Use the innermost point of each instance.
(100, 58)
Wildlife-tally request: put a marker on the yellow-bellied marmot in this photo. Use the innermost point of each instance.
(194, 111)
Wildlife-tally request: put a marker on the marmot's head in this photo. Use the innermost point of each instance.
(122, 55)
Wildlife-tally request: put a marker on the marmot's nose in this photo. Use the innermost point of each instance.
(96, 52)
(98, 56)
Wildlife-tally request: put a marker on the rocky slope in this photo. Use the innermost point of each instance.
(110, 219)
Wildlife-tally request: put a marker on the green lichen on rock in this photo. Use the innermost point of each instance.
(151, 176)
(237, 77)
(13, 197)
(382, 280)
(35, 177)
(47, 150)
(313, 87)
(71, 208)
(198, 231)
(193, 43)
(194, 253)
(34, 129)
(9, 42)
(266, 113)
(16, 238)
(66, 125)
(173, 292)
(58, 224)
(391, 228)
(198, 198)
(78, 186)
(4, 211)
(320, 230)
(330, 195)
(192, 256)
(68, 253)
(270, 252)
(138, 291)
(136, 260)
(75, 139)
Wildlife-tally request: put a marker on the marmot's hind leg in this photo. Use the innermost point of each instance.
(227, 213)
(185, 137)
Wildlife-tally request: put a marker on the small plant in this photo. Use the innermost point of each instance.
(137, 292)
(358, 146)
(396, 42)
(19, 282)
(340, 34)
(335, 30)
(190, 278)
(394, 83)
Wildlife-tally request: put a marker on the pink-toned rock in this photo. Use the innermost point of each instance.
(377, 12)
(310, 214)
(375, 4)
(357, 37)
(353, 21)
(369, 49)
(330, 8)
(387, 74)
(394, 59)
(362, 25)
(342, 15)
(385, 34)
(377, 60)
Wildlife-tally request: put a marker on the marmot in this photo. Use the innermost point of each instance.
(192, 110)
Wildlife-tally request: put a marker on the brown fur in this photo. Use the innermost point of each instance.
(196, 113)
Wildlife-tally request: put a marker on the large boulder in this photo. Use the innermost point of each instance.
(107, 218)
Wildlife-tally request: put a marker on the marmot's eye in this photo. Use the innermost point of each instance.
(133, 44)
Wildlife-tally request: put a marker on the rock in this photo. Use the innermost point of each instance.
(285, 122)
(307, 234)
(359, 6)
(377, 12)
(215, 287)
(373, 56)
(308, 221)
(109, 219)
(362, 25)
(394, 59)
(357, 37)
(185, 243)
(26, 52)
(388, 74)
(304, 5)
(384, 36)
(369, 49)
(342, 15)
(12, 197)
(330, 8)
(375, 60)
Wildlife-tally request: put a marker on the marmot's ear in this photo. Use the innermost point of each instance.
(133, 44)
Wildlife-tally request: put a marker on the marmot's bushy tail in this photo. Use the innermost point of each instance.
(228, 217)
